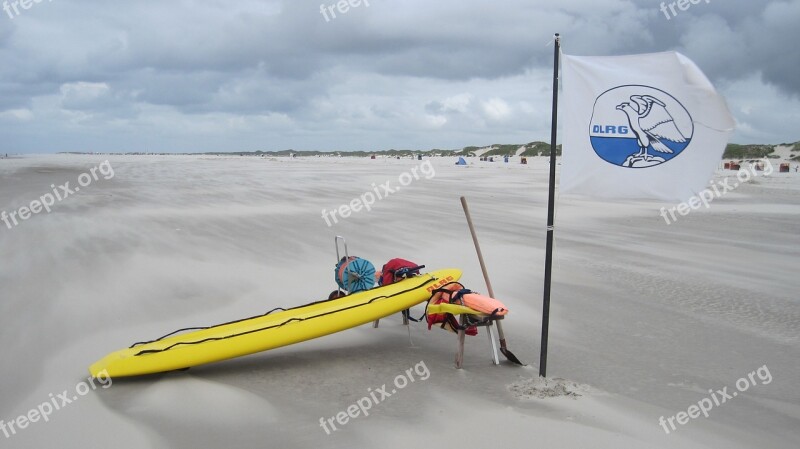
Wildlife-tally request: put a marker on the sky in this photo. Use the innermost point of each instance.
(247, 75)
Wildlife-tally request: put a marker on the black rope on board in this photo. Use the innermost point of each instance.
(205, 340)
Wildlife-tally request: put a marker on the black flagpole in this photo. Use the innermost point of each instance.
(548, 260)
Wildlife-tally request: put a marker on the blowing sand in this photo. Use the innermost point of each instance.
(646, 317)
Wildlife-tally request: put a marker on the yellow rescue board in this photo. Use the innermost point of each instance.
(271, 331)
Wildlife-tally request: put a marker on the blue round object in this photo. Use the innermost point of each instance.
(355, 274)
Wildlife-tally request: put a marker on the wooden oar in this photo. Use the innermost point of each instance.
(508, 354)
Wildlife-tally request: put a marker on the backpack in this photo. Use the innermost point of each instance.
(397, 269)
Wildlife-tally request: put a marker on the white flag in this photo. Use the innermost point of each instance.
(640, 126)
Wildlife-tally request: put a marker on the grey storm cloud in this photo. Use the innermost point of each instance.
(417, 74)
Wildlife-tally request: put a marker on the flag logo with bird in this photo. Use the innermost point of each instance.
(636, 126)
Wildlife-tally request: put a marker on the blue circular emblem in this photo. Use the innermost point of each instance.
(639, 126)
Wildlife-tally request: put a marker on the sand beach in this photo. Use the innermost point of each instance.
(647, 317)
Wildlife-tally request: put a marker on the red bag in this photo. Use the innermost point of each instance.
(397, 269)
